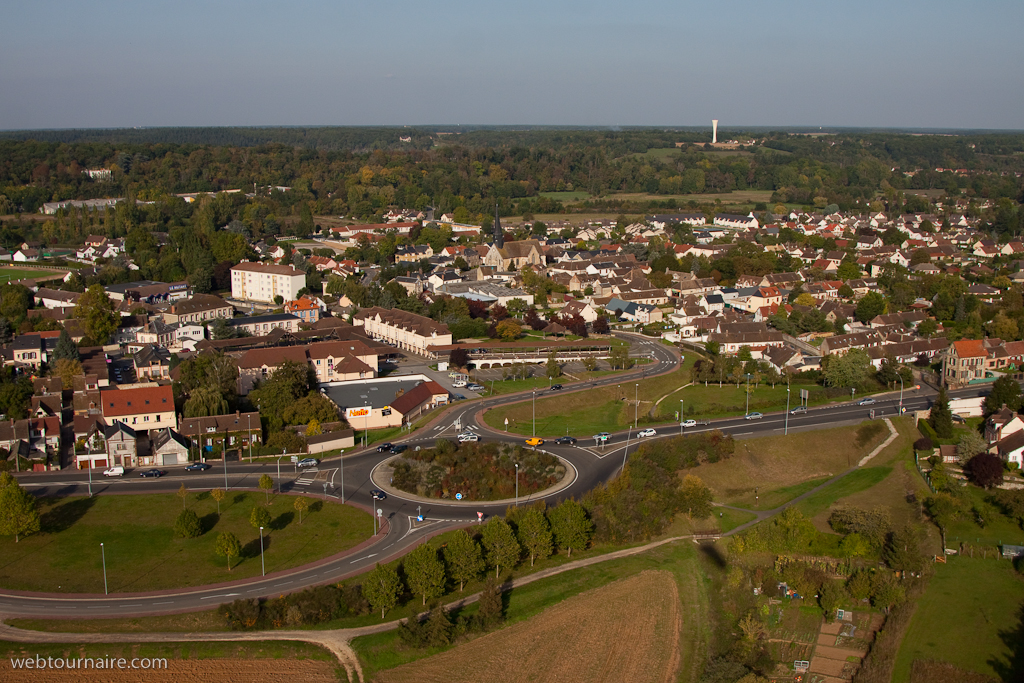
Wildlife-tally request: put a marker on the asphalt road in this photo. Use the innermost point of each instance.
(593, 464)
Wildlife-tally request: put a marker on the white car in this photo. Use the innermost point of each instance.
(115, 471)
(688, 423)
(468, 436)
(646, 432)
(458, 384)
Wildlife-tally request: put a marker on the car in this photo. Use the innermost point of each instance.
(458, 397)
(151, 473)
(308, 462)
(197, 467)
(556, 387)
(535, 441)
(798, 410)
(566, 440)
(866, 402)
(468, 436)
(646, 432)
(384, 447)
(475, 387)
(459, 384)
(115, 471)
(378, 494)
(602, 436)
(399, 448)
(688, 423)
(753, 416)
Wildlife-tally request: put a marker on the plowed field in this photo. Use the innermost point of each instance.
(625, 631)
(191, 671)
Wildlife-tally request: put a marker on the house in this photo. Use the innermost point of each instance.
(266, 282)
(964, 362)
(26, 255)
(413, 253)
(1011, 448)
(121, 445)
(580, 308)
(168, 447)
(35, 438)
(1001, 424)
(405, 330)
(240, 429)
(142, 408)
(305, 309)
(151, 363)
(199, 308)
(148, 291)
(55, 298)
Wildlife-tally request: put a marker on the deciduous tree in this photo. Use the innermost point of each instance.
(534, 533)
(696, 497)
(259, 517)
(228, 546)
(97, 313)
(571, 526)
(986, 469)
(19, 513)
(464, 558)
(217, 495)
(382, 588)
(424, 572)
(1005, 391)
(266, 483)
(500, 545)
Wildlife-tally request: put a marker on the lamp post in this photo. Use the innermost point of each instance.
(341, 466)
(103, 555)
(263, 563)
(279, 469)
(250, 438)
(787, 412)
(535, 413)
(90, 466)
(748, 376)
(626, 452)
(900, 412)
(636, 408)
(517, 484)
(224, 454)
(680, 417)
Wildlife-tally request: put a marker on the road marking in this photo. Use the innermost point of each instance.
(170, 602)
(226, 595)
(363, 558)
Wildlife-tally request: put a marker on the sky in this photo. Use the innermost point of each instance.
(856, 63)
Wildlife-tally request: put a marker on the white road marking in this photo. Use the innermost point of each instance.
(360, 559)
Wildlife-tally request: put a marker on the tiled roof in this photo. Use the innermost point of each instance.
(118, 402)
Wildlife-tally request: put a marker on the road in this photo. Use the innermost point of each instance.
(593, 464)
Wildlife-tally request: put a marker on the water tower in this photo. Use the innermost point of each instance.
(714, 131)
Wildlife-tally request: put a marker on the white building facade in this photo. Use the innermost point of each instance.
(263, 282)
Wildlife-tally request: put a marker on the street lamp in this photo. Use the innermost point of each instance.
(341, 466)
(535, 413)
(787, 412)
(263, 563)
(636, 408)
(279, 469)
(90, 466)
(103, 555)
(626, 452)
(748, 376)
(517, 484)
(250, 438)
(900, 412)
(224, 454)
(680, 417)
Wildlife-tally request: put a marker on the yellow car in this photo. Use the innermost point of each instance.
(534, 441)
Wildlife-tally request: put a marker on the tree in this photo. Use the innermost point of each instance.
(67, 369)
(266, 483)
(19, 513)
(534, 533)
(464, 558)
(205, 401)
(873, 304)
(259, 517)
(848, 270)
(382, 588)
(601, 325)
(1005, 391)
(228, 546)
(928, 327)
(554, 370)
(901, 551)
(696, 497)
(280, 393)
(830, 596)
(458, 358)
(97, 313)
(509, 330)
(500, 545)
(847, 370)
(940, 417)
(438, 629)
(187, 525)
(571, 526)
(183, 494)
(986, 470)
(590, 364)
(424, 572)
(301, 505)
(314, 428)
(491, 608)
(217, 495)
(66, 348)
(969, 445)
(1003, 327)
(944, 508)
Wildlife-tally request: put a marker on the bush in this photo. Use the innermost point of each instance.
(923, 444)
(286, 440)
(305, 608)
(187, 525)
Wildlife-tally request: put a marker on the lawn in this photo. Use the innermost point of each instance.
(8, 274)
(385, 650)
(142, 554)
(165, 623)
(781, 468)
(969, 616)
(998, 528)
(855, 482)
(575, 196)
(700, 401)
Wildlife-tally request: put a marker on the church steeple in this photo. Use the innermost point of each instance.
(499, 235)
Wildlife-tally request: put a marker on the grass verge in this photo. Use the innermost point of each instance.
(167, 623)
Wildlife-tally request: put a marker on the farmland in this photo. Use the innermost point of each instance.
(633, 623)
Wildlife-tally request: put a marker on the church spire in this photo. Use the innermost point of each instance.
(499, 235)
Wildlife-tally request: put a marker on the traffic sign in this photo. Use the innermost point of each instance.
(458, 496)
(295, 458)
(419, 518)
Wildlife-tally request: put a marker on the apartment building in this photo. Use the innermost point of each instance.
(265, 281)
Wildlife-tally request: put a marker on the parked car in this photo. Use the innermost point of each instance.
(602, 436)
(308, 462)
(753, 416)
(378, 494)
(535, 441)
(458, 397)
(798, 410)
(197, 467)
(556, 387)
(689, 423)
(459, 384)
(566, 440)
(866, 401)
(151, 473)
(399, 448)
(646, 432)
(384, 447)
(468, 436)
(115, 471)
(472, 386)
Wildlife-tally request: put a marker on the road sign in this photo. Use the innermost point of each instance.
(805, 393)
(295, 458)
(458, 496)
(379, 512)
(480, 516)
(419, 518)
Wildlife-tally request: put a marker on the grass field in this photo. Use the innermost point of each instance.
(783, 467)
(633, 623)
(998, 528)
(385, 650)
(576, 196)
(142, 554)
(8, 274)
(165, 623)
(969, 616)
(228, 662)
(854, 482)
(728, 399)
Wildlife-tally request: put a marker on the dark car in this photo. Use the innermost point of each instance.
(566, 440)
(384, 447)
(556, 387)
(399, 448)
(151, 473)
(378, 494)
(197, 467)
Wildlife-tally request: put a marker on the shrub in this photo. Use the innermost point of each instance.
(187, 525)
(924, 444)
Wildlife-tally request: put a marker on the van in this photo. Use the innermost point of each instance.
(115, 471)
